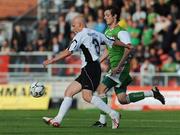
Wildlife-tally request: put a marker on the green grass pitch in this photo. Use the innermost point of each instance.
(77, 122)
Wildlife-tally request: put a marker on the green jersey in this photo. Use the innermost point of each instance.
(116, 52)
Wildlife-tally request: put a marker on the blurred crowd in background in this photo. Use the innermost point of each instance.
(154, 26)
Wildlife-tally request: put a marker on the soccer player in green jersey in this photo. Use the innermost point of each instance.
(118, 76)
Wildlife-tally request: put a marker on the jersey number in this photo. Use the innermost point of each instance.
(97, 47)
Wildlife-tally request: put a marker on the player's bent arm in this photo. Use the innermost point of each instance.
(104, 56)
(124, 38)
(125, 57)
(60, 56)
(119, 43)
(122, 61)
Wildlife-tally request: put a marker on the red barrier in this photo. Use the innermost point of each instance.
(4, 63)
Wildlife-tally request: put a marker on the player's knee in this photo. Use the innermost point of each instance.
(122, 98)
(68, 94)
(87, 99)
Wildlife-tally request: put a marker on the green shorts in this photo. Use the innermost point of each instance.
(119, 82)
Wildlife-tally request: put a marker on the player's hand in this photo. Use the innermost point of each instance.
(130, 47)
(47, 62)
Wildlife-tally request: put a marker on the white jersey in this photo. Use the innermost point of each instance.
(89, 41)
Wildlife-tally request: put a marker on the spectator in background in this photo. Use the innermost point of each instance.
(55, 48)
(87, 10)
(124, 13)
(151, 17)
(94, 4)
(100, 26)
(167, 34)
(29, 48)
(147, 38)
(139, 14)
(79, 4)
(169, 65)
(162, 56)
(40, 58)
(135, 66)
(100, 13)
(176, 32)
(135, 33)
(147, 72)
(177, 56)
(161, 23)
(174, 9)
(5, 48)
(90, 22)
(39, 43)
(140, 53)
(59, 5)
(62, 41)
(62, 27)
(2, 38)
(153, 57)
(173, 50)
(162, 8)
(19, 40)
(43, 31)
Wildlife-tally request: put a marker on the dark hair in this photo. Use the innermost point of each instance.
(114, 11)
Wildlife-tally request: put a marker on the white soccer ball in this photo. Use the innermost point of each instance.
(37, 89)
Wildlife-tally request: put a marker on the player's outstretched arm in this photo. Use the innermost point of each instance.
(60, 56)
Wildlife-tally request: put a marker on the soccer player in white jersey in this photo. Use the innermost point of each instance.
(88, 41)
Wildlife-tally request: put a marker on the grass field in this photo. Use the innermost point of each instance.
(78, 122)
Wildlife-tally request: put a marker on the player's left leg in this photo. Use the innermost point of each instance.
(72, 89)
(123, 98)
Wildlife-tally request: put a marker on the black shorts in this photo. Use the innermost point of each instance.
(90, 76)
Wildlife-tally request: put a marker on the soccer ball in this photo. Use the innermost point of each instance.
(37, 89)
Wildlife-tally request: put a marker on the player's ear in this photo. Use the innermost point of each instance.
(81, 25)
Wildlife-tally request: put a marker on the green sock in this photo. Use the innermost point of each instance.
(105, 101)
(134, 97)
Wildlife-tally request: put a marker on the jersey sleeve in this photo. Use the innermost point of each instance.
(124, 37)
(106, 40)
(75, 43)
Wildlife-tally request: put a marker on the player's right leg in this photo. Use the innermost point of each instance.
(95, 100)
(102, 119)
(72, 89)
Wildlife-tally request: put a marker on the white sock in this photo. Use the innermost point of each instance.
(100, 104)
(102, 118)
(66, 104)
(148, 94)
